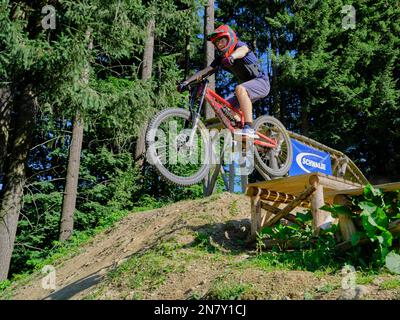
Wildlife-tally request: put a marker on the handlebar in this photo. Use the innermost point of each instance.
(204, 78)
(198, 82)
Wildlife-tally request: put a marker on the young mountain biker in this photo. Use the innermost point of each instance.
(235, 56)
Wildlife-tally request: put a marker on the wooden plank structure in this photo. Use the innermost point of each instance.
(307, 190)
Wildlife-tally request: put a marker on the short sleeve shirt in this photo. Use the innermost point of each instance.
(244, 69)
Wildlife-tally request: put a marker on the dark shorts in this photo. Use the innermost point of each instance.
(256, 89)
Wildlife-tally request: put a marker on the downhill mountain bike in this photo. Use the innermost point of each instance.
(178, 142)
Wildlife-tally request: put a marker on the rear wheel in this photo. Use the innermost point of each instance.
(169, 149)
(276, 161)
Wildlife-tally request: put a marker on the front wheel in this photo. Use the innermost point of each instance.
(275, 161)
(179, 154)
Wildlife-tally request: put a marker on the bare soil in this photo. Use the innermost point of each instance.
(224, 219)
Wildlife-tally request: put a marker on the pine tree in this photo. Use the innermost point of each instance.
(114, 103)
(330, 82)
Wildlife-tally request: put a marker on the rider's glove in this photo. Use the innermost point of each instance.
(227, 61)
(182, 86)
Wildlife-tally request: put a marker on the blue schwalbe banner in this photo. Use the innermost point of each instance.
(237, 180)
(307, 159)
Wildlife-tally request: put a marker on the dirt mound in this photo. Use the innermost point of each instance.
(137, 233)
(188, 250)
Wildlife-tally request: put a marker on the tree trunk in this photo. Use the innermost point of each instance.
(71, 183)
(187, 55)
(5, 119)
(148, 50)
(209, 49)
(210, 56)
(14, 169)
(146, 75)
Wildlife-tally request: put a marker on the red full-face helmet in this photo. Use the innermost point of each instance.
(224, 31)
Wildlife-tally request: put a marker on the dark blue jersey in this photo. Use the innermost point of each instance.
(246, 68)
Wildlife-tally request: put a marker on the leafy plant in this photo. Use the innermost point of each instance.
(260, 237)
(315, 251)
(4, 284)
(375, 209)
(289, 231)
(203, 241)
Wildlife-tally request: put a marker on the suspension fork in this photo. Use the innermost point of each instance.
(196, 115)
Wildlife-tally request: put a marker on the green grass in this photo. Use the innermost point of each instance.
(329, 287)
(223, 289)
(202, 241)
(233, 208)
(364, 279)
(306, 260)
(213, 197)
(308, 296)
(390, 284)
(145, 272)
(149, 269)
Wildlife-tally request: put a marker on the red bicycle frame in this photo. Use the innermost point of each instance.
(217, 103)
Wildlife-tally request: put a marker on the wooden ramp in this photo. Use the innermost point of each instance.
(296, 184)
(387, 187)
(274, 200)
(311, 190)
